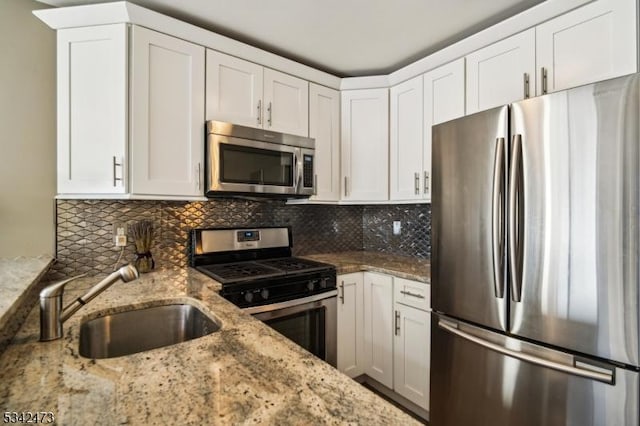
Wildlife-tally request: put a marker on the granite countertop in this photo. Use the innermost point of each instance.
(410, 268)
(244, 373)
(19, 277)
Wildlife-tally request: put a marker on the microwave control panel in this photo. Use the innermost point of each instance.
(307, 171)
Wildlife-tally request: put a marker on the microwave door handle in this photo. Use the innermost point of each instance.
(296, 176)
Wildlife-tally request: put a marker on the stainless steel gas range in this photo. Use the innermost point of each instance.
(296, 297)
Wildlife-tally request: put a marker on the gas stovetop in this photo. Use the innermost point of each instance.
(236, 272)
(255, 266)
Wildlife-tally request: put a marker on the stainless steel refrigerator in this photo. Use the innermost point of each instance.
(535, 261)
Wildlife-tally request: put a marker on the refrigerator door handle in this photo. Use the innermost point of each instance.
(497, 218)
(601, 375)
(516, 218)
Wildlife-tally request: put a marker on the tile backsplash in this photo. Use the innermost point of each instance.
(415, 235)
(84, 229)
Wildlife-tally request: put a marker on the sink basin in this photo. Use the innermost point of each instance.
(138, 330)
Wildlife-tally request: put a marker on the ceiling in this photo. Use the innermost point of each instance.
(343, 37)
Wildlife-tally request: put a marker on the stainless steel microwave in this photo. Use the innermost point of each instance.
(254, 162)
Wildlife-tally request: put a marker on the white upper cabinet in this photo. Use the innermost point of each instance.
(324, 127)
(350, 324)
(595, 42)
(167, 115)
(444, 93)
(443, 101)
(130, 115)
(501, 73)
(234, 90)
(416, 105)
(286, 103)
(365, 145)
(92, 110)
(241, 92)
(406, 152)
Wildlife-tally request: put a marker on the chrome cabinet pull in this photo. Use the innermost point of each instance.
(408, 293)
(269, 110)
(342, 292)
(259, 111)
(426, 182)
(397, 332)
(416, 182)
(199, 176)
(346, 192)
(526, 85)
(115, 178)
(497, 218)
(543, 77)
(516, 218)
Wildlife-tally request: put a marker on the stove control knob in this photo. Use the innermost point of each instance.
(264, 293)
(311, 285)
(324, 282)
(248, 297)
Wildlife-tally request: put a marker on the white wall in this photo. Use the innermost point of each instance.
(27, 131)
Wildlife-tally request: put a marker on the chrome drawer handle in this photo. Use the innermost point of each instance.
(408, 293)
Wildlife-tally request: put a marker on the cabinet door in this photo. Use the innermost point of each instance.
(412, 343)
(378, 327)
(496, 74)
(589, 44)
(92, 109)
(406, 141)
(365, 145)
(286, 103)
(167, 115)
(324, 127)
(443, 101)
(234, 90)
(350, 324)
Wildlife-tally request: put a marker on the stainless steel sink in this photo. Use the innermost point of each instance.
(139, 330)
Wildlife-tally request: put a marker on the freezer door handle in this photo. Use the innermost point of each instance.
(497, 218)
(601, 375)
(516, 218)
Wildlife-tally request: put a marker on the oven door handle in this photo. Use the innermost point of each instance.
(290, 303)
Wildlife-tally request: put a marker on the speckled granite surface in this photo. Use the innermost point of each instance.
(246, 373)
(19, 279)
(410, 268)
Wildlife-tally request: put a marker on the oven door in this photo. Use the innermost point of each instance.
(239, 165)
(310, 322)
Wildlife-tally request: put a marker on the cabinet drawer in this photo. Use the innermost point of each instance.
(412, 293)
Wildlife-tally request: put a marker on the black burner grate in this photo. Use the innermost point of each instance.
(238, 271)
(292, 264)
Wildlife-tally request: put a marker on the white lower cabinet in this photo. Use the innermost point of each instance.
(384, 332)
(350, 324)
(378, 327)
(412, 354)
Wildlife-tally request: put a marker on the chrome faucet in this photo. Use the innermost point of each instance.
(52, 315)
